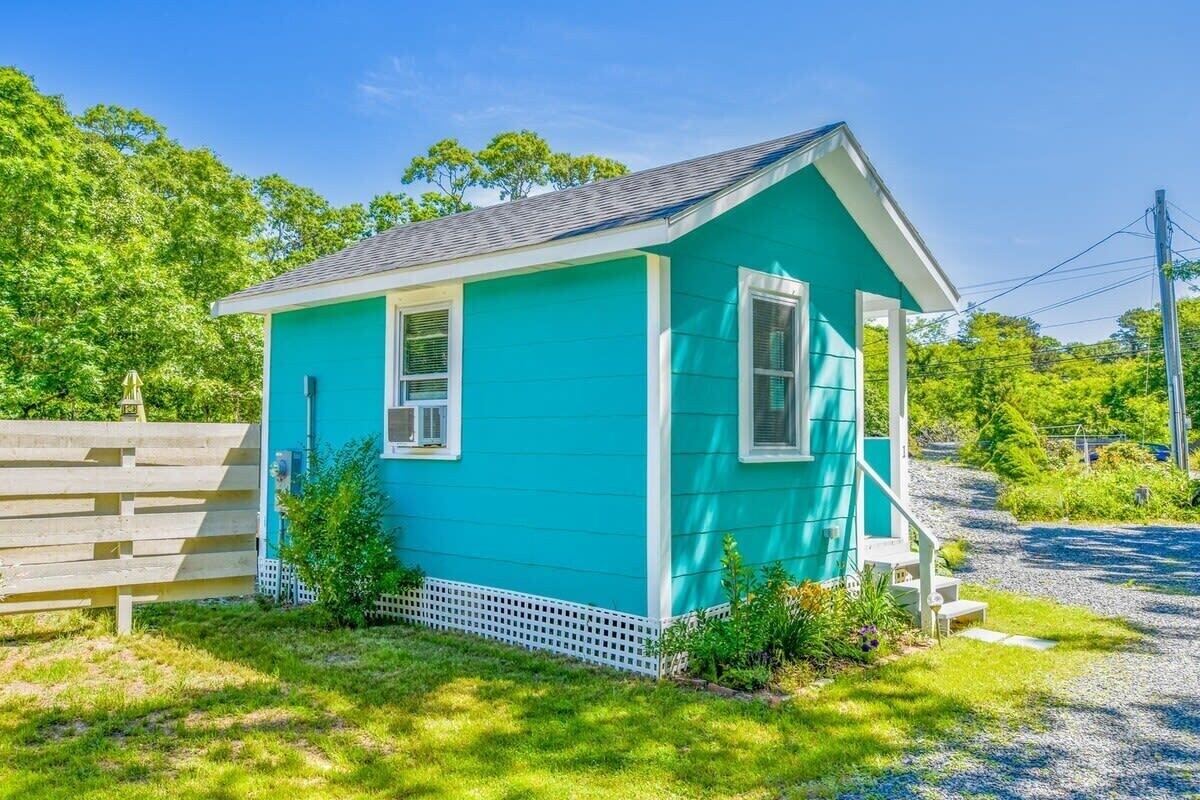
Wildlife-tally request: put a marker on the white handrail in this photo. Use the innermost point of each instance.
(927, 543)
(904, 510)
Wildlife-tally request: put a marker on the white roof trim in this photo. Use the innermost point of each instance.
(836, 155)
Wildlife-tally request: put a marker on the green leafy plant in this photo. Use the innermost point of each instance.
(337, 541)
(875, 605)
(774, 622)
(1105, 494)
(1119, 454)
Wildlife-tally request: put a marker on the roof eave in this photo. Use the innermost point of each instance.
(548, 255)
(836, 154)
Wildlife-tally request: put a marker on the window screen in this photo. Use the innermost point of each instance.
(424, 356)
(775, 373)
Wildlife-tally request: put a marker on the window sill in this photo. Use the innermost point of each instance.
(770, 458)
(422, 454)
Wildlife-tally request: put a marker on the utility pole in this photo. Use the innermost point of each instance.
(1170, 320)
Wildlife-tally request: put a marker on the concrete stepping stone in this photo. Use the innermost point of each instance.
(996, 637)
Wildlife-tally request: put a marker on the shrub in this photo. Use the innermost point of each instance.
(954, 553)
(1009, 446)
(1105, 495)
(1061, 453)
(336, 541)
(1119, 454)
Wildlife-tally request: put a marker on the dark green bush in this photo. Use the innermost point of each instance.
(1009, 446)
(337, 542)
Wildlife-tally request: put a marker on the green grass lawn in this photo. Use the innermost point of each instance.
(234, 701)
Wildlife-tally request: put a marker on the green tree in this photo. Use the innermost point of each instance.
(301, 225)
(515, 163)
(452, 168)
(565, 170)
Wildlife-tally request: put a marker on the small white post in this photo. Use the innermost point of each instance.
(898, 413)
(132, 410)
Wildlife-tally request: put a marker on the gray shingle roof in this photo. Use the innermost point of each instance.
(644, 196)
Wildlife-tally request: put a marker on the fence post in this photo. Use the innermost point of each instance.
(132, 410)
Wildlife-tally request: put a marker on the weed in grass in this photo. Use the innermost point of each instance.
(954, 553)
(1156, 588)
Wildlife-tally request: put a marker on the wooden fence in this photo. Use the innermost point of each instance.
(97, 514)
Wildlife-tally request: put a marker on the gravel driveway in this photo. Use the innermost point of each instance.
(1131, 728)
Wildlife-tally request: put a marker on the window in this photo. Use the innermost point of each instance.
(772, 368)
(423, 378)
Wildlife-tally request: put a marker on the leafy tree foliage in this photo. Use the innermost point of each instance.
(957, 385)
(449, 166)
(516, 162)
(115, 238)
(564, 170)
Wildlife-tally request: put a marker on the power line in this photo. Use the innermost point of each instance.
(1184, 231)
(1053, 306)
(1084, 268)
(1185, 213)
(1094, 274)
(1085, 296)
(949, 315)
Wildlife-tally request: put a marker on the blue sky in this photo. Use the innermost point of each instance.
(1014, 135)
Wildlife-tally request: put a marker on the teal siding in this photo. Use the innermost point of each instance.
(878, 452)
(549, 495)
(777, 512)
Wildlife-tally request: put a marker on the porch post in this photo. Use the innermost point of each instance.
(898, 413)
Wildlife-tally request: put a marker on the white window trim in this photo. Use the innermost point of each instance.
(428, 299)
(751, 283)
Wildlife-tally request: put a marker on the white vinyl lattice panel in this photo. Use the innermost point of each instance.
(590, 634)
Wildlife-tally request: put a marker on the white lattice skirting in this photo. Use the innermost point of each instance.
(591, 634)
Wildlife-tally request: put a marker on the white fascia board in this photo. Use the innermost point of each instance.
(569, 252)
(688, 220)
(860, 189)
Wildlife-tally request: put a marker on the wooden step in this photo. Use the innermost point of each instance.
(940, 584)
(886, 562)
(909, 592)
(962, 610)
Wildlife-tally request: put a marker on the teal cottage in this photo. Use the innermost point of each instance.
(578, 394)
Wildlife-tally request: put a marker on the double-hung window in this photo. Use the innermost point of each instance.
(772, 368)
(424, 376)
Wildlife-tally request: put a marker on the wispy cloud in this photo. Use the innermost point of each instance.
(398, 84)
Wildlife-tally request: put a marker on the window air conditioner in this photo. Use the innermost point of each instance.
(417, 426)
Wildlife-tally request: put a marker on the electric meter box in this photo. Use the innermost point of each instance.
(285, 470)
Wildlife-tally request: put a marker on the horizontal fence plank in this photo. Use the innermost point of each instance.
(36, 481)
(187, 435)
(111, 456)
(83, 575)
(42, 531)
(148, 593)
